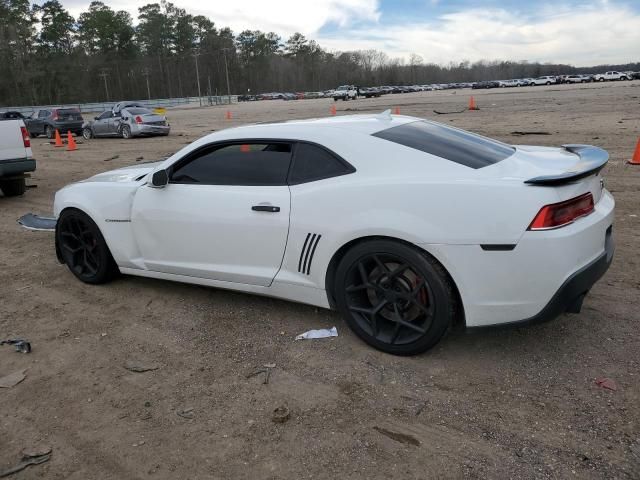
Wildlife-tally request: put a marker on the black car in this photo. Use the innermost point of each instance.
(488, 84)
(47, 120)
(12, 115)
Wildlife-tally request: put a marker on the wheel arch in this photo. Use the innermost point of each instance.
(93, 219)
(341, 252)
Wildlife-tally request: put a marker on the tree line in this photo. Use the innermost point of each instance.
(50, 57)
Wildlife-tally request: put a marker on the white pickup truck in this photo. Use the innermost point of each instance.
(601, 77)
(16, 157)
(345, 92)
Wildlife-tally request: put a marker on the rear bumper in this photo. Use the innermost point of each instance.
(540, 277)
(16, 167)
(150, 129)
(569, 297)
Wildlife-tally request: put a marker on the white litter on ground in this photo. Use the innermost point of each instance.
(322, 333)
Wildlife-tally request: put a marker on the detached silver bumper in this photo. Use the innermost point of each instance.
(144, 129)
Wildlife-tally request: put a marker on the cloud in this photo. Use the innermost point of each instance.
(603, 31)
(285, 17)
(586, 35)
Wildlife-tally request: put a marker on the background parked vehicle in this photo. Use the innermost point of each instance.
(546, 80)
(610, 76)
(369, 92)
(486, 84)
(46, 121)
(577, 79)
(16, 157)
(128, 122)
(345, 92)
(12, 115)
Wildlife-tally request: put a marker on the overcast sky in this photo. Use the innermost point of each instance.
(581, 33)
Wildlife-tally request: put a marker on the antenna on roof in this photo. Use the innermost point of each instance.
(386, 115)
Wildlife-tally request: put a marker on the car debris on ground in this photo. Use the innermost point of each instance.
(30, 456)
(20, 345)
(140, 367)
(13, 379)
(322, 333)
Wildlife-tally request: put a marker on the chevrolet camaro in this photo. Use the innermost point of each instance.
(404, 225)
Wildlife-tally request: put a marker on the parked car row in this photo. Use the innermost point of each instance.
(351, 92)
(125, 119)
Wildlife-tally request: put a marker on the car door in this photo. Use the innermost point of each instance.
(36, 126)
(115, 121)
(101, 124)
(224, 214)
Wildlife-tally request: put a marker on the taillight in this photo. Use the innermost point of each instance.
(25, 137)
(138, 119)
(563, 213)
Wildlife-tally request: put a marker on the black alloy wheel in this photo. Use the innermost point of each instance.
(395, 297)
(83, 248)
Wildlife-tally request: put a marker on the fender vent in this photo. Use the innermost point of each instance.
(308, 250)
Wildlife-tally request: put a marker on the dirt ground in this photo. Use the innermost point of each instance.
(519, 403)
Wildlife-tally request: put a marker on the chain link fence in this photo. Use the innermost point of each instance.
(155, 103)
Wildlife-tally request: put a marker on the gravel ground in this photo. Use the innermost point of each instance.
(519, 403)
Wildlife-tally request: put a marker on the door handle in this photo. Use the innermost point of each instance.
(265, 208)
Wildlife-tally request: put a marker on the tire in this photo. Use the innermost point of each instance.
(14, 187)
(126, 132)
(83, 248)
(624, 78)
(49, 132)
(380, 281)
(87, 133)
(601, 79)
(548, 83)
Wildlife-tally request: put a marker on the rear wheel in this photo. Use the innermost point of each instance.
(13, 187)
(126, 131)
(83, 248)
(49, 132)
(395, 297)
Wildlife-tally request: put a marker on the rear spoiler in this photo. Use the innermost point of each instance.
(592, 160)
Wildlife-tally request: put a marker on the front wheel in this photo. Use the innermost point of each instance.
(83, 248)
(395, 297)
(87, 134)
(49, 132)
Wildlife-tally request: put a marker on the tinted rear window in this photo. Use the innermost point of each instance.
(450, 143)
(69, 114)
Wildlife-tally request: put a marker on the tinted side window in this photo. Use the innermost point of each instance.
(104, 115)
(314, 163)
(43, 113)
(452, 144)
(245, 164)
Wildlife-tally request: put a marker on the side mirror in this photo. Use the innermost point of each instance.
(160, 179)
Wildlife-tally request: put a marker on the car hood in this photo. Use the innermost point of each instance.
(125, 174)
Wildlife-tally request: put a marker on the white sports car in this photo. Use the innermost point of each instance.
(404, 225)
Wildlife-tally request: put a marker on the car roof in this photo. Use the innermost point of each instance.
(366, 124)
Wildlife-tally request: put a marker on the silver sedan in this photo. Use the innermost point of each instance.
(126, 123)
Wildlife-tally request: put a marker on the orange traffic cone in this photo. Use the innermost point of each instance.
(396, 111)
(71, 143)
(228, 116)
(472, 104)
(58, 142)
(635, 160)
(332, 110)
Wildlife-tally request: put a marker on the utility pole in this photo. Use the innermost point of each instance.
(146, 76)
(226, 68)
(104, 76)
(195, 55)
